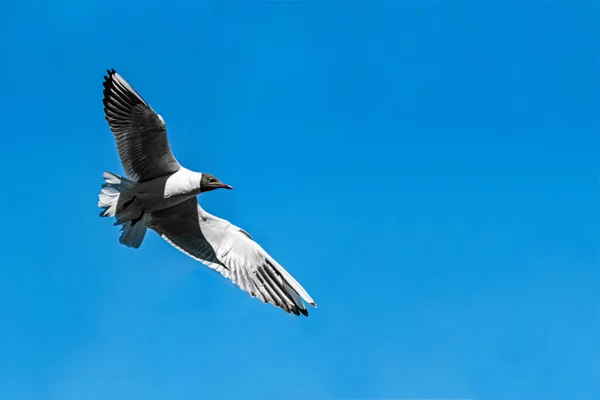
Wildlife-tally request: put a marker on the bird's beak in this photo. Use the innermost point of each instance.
(224, 186)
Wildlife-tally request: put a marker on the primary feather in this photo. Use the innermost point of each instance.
(229, 250)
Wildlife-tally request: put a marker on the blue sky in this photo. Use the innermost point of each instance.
(427, 170)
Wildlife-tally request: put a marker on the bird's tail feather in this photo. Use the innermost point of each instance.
(132, 233)
(112, 188)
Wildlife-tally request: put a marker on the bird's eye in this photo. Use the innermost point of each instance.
(212, 180)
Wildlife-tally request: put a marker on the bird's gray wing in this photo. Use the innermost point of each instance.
(140, 133)
(231, 251)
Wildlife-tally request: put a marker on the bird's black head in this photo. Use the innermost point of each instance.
(209, 182)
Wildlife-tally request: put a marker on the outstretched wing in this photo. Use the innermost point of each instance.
(140, 133)
(229, 250)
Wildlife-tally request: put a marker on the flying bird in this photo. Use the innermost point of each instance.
(160, 194)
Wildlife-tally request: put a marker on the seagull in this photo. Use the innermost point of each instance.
(160, 194)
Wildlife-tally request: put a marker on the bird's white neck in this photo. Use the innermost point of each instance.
(182, 182)
(195, 179)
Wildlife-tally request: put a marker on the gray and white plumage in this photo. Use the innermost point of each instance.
(160, 194)
(232, 252)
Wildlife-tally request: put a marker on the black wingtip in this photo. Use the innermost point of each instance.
(122, 89)
(304, 312)
(110, 73)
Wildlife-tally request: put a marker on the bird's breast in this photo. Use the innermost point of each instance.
(163, 192)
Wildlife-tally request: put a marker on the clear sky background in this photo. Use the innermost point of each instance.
(427, 170)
